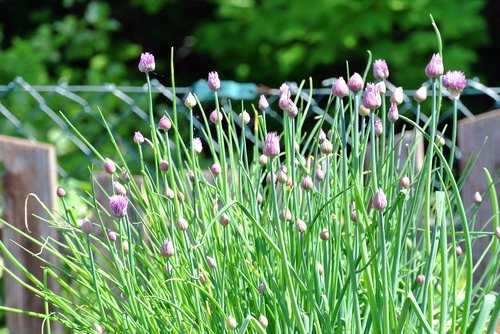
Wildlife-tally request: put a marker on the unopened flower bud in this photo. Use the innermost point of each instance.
(378, 128)
(263, 321)
(138, 138)
(397, 96)
(231, 323)
(354, 216)
(420, 94)
(60, 192)
(458, 250)
(285, 215)
(300, 225)
(202, 278)
(181, 224)
(164, 165)
(271, 145)
(326, 147)
(380, 69)
(393, 114)
(216, 169)
(477, 198)
(125, 247)
(99, 328)
(86, 226)
(321, 136)
(340, 88)
(435, 67)
(164, 123)
(169, 193)
(259, 198)
(213, 81)
(119, 188)
(262, 160)
(263, 104)
(420, 279)
(167, 248)
(191, 175)
(355, 83)
(281, 176)
(270, 177)
(261, 288)
(380, 200)
(211, 262)
(197, 145)
(381, 87)
(244, 117)
(307, 183)
(320, 175)
(124, 176)
(440, 141)
(404, 182)
(320, 268)
(109, 166)
(190, 101)
(224, 219)
(216, 117)
(325, 234)
(112, 235)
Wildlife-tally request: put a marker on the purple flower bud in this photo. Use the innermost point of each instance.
(320, 175)
(354, 216)
(371, 98)
(224, 219)
(285, 90)
(404, 182)
(458, 250)
(147, 62)
(124, 176)
(421, 94)
(355, 83)
(380, 69)
(454, 82)
(119, 188)
(213, 81)
(244, 117)
(291, 109)
(263, 104)
(181, 224)
(339, 88)
(435, 67)
(285, 215)
(190, 101)
(379, 201)
(60, 192)
(197, 145)
(397, 96)
(211, 262)
(321, 270)
(164, 165)
(381, 87)
(86, 226)
(477, 198)
(307, 183)
(321, 136)
(169, 193)
(300, 225)
(167, 248)
(118, 205)
(164, 123)
(393, 114)
(283, 102)
(138, 138)
(231, 323)
(202, 278)
(379, 129)
(216, 169)
(109, 166)
(420, 279)
(261, 288)
(271, 145)
(216, 117)
(325, 234)
(326, 147)
(263, 321)
(112, 235)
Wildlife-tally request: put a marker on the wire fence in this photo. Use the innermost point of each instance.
(35, 112)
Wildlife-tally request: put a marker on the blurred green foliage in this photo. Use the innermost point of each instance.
(264, 40)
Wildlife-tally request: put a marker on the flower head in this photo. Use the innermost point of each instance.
(112, 235)
(371, 98)
(477, 198)
(291, 109)
(147, 62)
(231, 323)
(326, 147)
(379, 201)
(435, 67)
(181, 224)
(60, 192)
(339, 88)
(271, 145)
(421, 94)
(216, 116)
(164, 123)
(393, 114)
(263, 103)
(380, 69)
(284, 90)
(109, 166)
(420, 279)
(307, 183)
(118, 205)
(216, 169)
(164, 165)
(197, 145)
(213, 81)
(244, 117)
(189, 101)
(167, 248)
(404, 182)
(119, 188)
(355, 83)
(138, 137)
(397, 96)
(86, 225)
(454, 82)
(378, 128)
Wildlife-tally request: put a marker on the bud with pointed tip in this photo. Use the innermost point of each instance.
(339, 88)
(420, 94)
(319, 174)
(202, 278)
(285, 215)
(211, 262)
(380, 200)
(244, 117)
(397, 96)
(167, 248)
(181, 224)
(112, 235)
(213, 81)
(300, 225)
(216, 169)
(307, 183)
(109, 166)
(380, 69)
(393, 114)
(381, 87)
(261, 288)
(435, 67)
(164, 123)
(477, 198)
(355, 83)
(231, 323)
(86, 225)
(326, 147)
(354, 216)
(138, 138)
(263, 103)
(404, 182)
(320, 268)
(197, 145)
(190, 101)
(259, 198)
(321, 136)
(216, 117)
(378, 128)
(119, 188)
(169, 193)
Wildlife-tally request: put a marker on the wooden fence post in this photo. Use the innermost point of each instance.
(29, 168)
(471, 135)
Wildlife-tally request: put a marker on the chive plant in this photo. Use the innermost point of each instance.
(318, 228)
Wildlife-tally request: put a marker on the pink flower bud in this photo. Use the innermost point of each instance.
(380, 69)
(263, 160)
(325, 234)
(213, 81)
(119, 188)
(147, 62)
(138, 138)
(224, 219)
(458, 250)
(197, 145)
(169, 193)
(320, 268)
(86, 225)
(181, 224)
(112, 235)
(164, 165)
(397, 96)
(263, 103)
(202, 278)
(380, 200)
(393, 114)
(271, 145)
(307, 183)
(261, 288)
(477, 198)
(320, 175)
(435, 67)
(404, 182)
(216, 169)
(125, 247)
(164, 123)
(420, 279)
(190, 101)
(355, 83)
(60, 192)
(167, 248)
(216, 117)
(421, 94)
(371, 98)
(244, 117)
(231, 323)
(211, 262)
(378, 128)
(300, 225)
(339, 88)
(109, 166)
(263, 321)
(285, 215)
(354, 216)
(326, 147)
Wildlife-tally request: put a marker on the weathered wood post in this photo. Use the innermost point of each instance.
(471, 135)
(29, 168)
